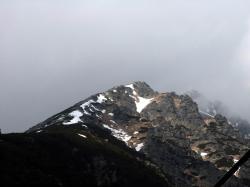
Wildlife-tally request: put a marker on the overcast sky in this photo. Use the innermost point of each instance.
(54, 53)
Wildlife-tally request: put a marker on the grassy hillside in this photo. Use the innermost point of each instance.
(64, 158)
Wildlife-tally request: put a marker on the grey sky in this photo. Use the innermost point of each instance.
(54, 53)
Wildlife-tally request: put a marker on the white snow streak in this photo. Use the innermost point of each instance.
(76, 118)
(112, 121)
(89, 104)
(238, 171)
(119, 134)
(86, 104)
(140, 102)
(205, 113)
(204, 154)
(101, 98)
(82, 135)
(235, 161)
(130, 86)
(139, 147)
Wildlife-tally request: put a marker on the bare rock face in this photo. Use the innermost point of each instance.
(192, 148)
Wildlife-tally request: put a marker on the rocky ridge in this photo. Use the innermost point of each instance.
(192, 147)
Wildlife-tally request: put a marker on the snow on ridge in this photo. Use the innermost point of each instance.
(76, 117)
(87, 104)
(101, 98)
(140, 102)
(119, 134)
(130, 86)
(139, 146)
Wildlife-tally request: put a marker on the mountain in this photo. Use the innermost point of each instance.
(128, 135)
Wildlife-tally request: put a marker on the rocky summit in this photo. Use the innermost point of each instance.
(163, 139)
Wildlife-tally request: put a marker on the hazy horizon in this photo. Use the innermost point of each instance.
(56, 53)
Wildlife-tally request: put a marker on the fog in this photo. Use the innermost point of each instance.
(54, 53)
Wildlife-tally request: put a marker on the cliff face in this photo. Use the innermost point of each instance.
(190, 147)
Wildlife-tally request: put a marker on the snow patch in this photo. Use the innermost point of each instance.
(76, 118)
(87, 104)
(139, 146)
(114, 91)
(130, 86)
(142, 103)
(84, 126)
(203, 154)
(101, 98)
(90, 106)
(103, 111)
(82, 135)
(119, 134)
(111, 114)
(136, 132)
(235, 161)
(238, 171)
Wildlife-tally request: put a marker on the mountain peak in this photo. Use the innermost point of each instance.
(142, 88)
(162, 126)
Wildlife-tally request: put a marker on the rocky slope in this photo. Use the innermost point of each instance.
(189, 147)
(211, 108)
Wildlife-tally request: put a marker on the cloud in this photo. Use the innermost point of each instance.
(55, 53)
